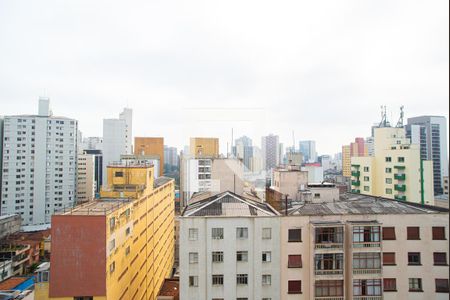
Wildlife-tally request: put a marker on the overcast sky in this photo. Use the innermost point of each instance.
(199, 68)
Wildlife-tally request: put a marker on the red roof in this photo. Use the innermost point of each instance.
(11, 283)
(170, 287)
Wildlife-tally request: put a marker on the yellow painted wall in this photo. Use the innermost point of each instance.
(204, 147)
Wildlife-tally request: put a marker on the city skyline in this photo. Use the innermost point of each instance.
(205, 75)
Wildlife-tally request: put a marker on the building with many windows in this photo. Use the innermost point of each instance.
(39, 164)
(153, 146)
(229, 249)
(120, 246)
(396, 170)
(86, 184)
(270, 151)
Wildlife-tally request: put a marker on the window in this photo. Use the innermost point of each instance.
(217, 256)
(413, 233)
(329, 288)
(217, 233)
(112, 267)
(366, 188)
(193, 234)
(388, 170)
(401, 159)
(388, 159)
(112, 223)
(413, 258)
(267, 256)
(294, 261)
(389, 191)
(415, 285)
(438, 233)
(112, 244)
(118, 174)
(242, 256)
(389, 258)
(440, 258)
(267, 233)
(365, 234)
(242, 233)
(367, 287)
(266, 279)
(217, 279)
(294, 287)
(193, 280)
(366, 178)
(388, 233)
(83, 298)
(441, 285)
(127, 251)
(316, 195)
(366, 169)
(390, 284)
(295, 235)
(366, 261)
(329, 235)
(242, 279)
(389, 180)
(193, 257)
(127, 231)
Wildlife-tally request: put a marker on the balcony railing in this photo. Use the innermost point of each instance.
(329, 298)
(356, 173)
(366, 244)
(400, 176)
(399, 167)
(329, 246)
(400, 197)
(367, 297)
(366, 271)
(328, 272)
(356, 191)
(356, 182)
(400, 188)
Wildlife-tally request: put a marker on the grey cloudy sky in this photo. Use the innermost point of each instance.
(187, 68)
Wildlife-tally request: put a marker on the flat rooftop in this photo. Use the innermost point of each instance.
(161, 181)
(99, 207)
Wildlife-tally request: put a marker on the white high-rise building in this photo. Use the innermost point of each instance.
(117, 137)
(308, 149)
(39, 165)
(270, 151)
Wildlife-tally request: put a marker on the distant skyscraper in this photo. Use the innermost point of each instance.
(39, 164)
(355, 149)
(431, 133)
(308, 149)
(171, 156)
(116, 139)
(243, 149)
(270, 151)
(92, 143)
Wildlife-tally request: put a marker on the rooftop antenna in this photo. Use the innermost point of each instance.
(400, 120)
(384, 122)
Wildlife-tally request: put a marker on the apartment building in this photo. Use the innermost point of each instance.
(203, 147)
(86, 184)
(357, 148)
(229, 249)
(210, 175)
(395, 171)
(308, 149)
(153, 146)
(364, 248)
(120, 246)
(39, 164)
(270, 151)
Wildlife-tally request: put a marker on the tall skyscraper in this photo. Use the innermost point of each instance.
(243, 149)
(171, 156)
(117, 135)
(270, 151)
(39, 164)
(430, 132)
(308, 149)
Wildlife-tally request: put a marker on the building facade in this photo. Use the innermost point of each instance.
(229, 249)
(202, 147)
(39, 164)
(117, 137)
(355, 149)
(86, 184)
(430, 132)
(270, 150)
(308, 149)
(120, 246)
(396, 170)
(153, 146)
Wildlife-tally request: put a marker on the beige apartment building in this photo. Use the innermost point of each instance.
(396, 170)
(204, 147)
(364, 248)
(86, 184)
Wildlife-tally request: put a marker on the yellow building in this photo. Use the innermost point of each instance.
(356, 148)
(346, 161)
(151, 146)
(395, 171)
(118, 247)
(204, 147)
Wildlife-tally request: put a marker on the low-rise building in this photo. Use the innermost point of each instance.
(229, 249)
(9, 224)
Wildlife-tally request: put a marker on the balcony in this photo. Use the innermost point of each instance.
(366, 244)
(400, 176)
(367, 297)
(355, 191)
(400, 188)
(329, 298)
(356, 182)
(356, 173)
(400, 197)
(329, 246)
(367, 271)
(329, 272)
(399, 167)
